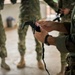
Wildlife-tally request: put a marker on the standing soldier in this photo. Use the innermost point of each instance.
(66, 7)
(3, 52)
(29, 11)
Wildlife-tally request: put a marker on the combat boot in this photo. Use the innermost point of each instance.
(4, 65)
(40, 65)
(21, 64)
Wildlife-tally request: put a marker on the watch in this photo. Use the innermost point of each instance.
(45, 41)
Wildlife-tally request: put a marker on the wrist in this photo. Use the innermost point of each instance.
(46, 39)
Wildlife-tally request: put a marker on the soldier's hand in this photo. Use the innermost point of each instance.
(47, 25)
(41, 35)
(66, 11)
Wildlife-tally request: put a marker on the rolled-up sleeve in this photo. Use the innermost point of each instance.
(60, 44)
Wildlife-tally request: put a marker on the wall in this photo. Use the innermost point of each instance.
(10, 10)
(13, 10)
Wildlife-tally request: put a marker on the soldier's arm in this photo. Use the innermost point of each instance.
(59, 41)
(70, 4)
(51, 25)
(52, 4)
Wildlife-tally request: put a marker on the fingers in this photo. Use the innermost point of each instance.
(38, 36)
(42, 30)
(37, 24)
(41, 23)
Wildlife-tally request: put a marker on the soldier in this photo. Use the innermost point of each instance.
(3, 52)
(66, 7)
(64, 43)
(29, 11)
(70, 68)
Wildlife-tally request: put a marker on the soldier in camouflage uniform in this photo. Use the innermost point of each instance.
(3, 52)
(29, 11)
(67, 5)
(70, 68)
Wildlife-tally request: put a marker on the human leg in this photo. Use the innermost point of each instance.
(21, 45)
(39, 54)
(63, 63)
(3, 52)
(70, 68)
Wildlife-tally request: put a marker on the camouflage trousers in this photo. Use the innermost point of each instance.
(63, 58)
(3, 52)
(22, 41)
(61, 48)
(70, 68)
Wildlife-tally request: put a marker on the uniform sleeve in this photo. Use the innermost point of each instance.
(60, 43)
(52, 4)
(70, 4)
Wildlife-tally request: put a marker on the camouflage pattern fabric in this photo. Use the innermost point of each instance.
(65, 4)
(29, 10)
(65, 18)
(70, 68)
(3, 52)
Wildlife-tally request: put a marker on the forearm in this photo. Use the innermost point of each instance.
(61, 28)
(59, 42)
(70, 4)
(51, 25)
(51, 40)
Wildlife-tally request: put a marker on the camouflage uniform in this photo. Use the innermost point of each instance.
(65, 18)
(65, 4)
(29, 11)
(68, 45)
(3, 52)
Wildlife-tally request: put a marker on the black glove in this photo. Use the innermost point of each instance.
(32, 24)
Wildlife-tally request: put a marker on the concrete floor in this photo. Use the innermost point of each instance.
(52, 56)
